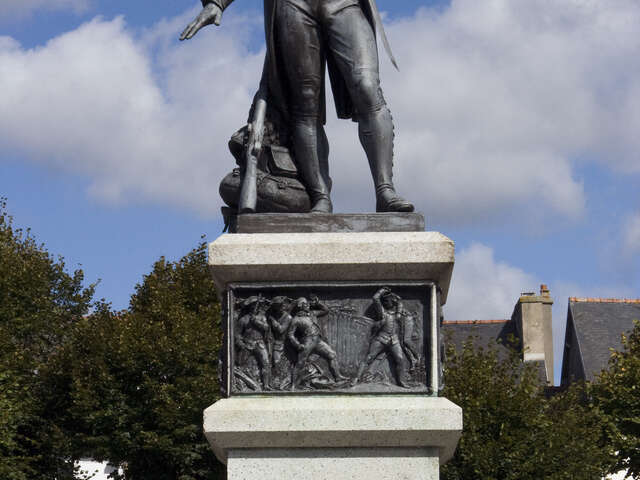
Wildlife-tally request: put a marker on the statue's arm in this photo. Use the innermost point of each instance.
(378, 304)
(320, 308)
(222, 4)
(262, 323)
(291, 335)
(239, 336)
(279, 326)
(211, 14)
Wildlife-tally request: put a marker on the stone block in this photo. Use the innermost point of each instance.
(338, 277)
(327, 222)
(309, 257)
(283, 427)
(334, 464)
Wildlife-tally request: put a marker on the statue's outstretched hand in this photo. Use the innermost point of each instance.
(211, 13)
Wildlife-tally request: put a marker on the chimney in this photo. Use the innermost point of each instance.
(533, 319)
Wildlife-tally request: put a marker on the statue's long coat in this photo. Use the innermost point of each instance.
(274, 78)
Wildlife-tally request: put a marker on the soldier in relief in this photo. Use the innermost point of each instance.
(305, 335)
(386, 337)
(253, 334)
(279, 319)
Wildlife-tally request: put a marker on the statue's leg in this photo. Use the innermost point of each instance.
(375, 349)
(300, 41)
(324, 350)
(278, 350)
(308, 345)
(262, 356)
(353, 46)
(398, 359)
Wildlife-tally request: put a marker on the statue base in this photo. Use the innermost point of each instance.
(331, 357)
(337, 275)
(323, 222)
(333, 437)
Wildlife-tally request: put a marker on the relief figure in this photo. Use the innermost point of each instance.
(280, 320)
(252, 336)
(305, 336)
(386, 335)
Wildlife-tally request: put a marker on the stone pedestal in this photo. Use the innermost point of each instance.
(356, 257)
(372, 413)
(333, 437)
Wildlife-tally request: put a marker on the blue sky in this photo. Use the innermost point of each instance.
(516, 124)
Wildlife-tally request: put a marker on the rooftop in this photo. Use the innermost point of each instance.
(603, 300)
(472, 322)
(599, 324)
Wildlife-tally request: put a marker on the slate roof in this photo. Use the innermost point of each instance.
(485, 331)
(594, 325)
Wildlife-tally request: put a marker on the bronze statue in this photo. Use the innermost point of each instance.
(280, 319)
(303, 37)
(386, 338)
(252, 335)
(305, 336)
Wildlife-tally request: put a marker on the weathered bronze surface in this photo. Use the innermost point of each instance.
(323, 223)
(315, 338)
(284, 145)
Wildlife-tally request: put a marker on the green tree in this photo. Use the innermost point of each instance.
(511, 430)
(39, 304)
(140, 379)
(617, 392)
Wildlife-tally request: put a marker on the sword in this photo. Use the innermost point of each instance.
(380, 29)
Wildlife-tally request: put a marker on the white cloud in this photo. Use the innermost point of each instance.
(619, 249)
(495, 104)
(497, 100)
(17, 8)
(91, 101)
(483, 288)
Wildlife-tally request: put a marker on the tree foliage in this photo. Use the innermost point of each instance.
(616, 391)
(140, 379)
(39, 304)
(512, 431)
(130, 386)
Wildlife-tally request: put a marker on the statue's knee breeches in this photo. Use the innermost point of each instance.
(366, 91)
(305, 99)
(369, 360)
(323, 349)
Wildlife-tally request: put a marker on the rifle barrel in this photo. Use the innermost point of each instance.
(249, 190)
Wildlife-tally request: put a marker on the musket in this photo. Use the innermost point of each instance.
(249, 188)
(246, 379)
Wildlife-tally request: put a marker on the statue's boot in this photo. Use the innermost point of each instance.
(307, 144)
(335, 370)
(387, 200)
(376, 136)
(404, 384)
(266, 378)
(321, 204)
(402, 374)
(361, 370)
